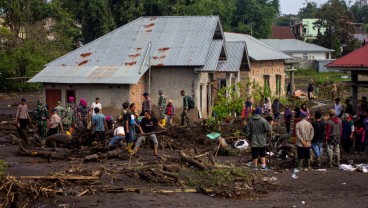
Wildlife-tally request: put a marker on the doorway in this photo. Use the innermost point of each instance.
(52, 97)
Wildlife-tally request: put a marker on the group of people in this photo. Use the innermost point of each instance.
(339, 126)
(90, 122)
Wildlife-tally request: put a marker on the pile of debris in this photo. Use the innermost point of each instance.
(189, 163)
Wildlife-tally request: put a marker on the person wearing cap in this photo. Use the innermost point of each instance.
(60, 110)
(71, 110)
(82, 114)
(162, 107)
(147, 104)
(348, 130)
(41, 115)
(54, 124)
(304, 135)
(256, 131)
(333, 135)
(22, 117)
(96, 104)
(319, 127)
(99, 125)
(338, 107)
(170, 112)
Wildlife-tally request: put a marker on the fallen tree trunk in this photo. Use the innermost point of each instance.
(44, 154)
(191, 161)
(100, 156)
(54, 177)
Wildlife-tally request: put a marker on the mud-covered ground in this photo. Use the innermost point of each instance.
(331, 188)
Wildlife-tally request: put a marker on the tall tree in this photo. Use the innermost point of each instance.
(126, 11)
(336, 18)
(95, 18)
(360, 13)
(35, 32)
(250, 17)
(309, 11)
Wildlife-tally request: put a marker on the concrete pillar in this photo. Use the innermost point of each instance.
(354, 97)
(228, 81)
(292, 82)
(354, 91)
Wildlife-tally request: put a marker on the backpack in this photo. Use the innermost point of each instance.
(191, 103)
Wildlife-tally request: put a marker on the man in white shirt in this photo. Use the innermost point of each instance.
(338, 108)
(96, 104)
(119, 135)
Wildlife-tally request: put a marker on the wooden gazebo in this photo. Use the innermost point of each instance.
(357, 63)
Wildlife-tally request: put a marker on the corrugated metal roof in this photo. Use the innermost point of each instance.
(176, 41)
(356, 59)
(294, 46)
(213, 57)
(235, 52)
(257, 50)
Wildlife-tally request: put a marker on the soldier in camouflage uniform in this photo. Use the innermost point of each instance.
(70, 116)
(41, 115)
(162, 107)
(60, 110)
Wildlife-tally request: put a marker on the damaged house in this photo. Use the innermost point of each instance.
(147, 55)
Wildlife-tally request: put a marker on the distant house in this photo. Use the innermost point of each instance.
(282, 32)
(306, 30)
(267, 67)
(299, 49)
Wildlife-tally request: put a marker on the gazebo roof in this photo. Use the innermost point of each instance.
(357, 59)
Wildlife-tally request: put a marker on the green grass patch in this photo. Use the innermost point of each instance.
(321, 77)
(220, 176)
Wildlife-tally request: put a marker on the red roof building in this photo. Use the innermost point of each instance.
(355, 59)
(282, 32)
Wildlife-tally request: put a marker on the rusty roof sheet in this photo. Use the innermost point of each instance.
(257, 50)
(175, 41)
(235, 53)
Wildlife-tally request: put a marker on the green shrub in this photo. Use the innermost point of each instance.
(3, 167)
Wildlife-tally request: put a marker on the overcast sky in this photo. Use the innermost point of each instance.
(293, 6)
